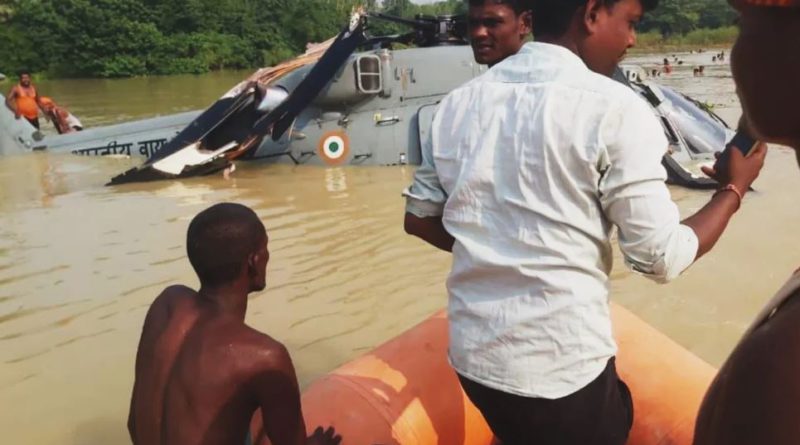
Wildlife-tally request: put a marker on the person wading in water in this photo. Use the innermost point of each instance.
(23, 100)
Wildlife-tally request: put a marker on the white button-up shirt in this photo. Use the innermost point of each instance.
(531, 166)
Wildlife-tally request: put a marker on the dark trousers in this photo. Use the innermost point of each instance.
(599, 414)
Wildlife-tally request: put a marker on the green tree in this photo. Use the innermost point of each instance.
(673, 17)
(716, 14)
(138, 37)
(678, 17)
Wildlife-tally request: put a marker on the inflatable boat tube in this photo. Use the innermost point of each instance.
(405, 392)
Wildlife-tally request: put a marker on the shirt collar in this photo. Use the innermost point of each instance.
(533, 59)
(552, 50)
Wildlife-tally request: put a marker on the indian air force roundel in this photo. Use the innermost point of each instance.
(334, 147)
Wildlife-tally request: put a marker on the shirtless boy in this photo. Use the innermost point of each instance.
(201, 372)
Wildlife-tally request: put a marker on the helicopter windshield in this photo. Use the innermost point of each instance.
(704, 131)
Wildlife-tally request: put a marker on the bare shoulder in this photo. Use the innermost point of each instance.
(175, 295)
(171, 299)
(265, 353)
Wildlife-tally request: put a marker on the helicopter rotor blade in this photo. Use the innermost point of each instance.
(431, 30)
(280, 119)
(396, 38)
(189, 156)
(416, 24)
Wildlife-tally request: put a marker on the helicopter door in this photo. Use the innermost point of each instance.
(375, 122)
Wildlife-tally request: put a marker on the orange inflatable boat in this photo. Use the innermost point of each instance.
(405, 392)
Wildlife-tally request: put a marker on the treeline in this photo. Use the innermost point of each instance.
(113, 38)
(679, 17)
(118, 38)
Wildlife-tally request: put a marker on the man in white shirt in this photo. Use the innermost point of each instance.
(527, 171)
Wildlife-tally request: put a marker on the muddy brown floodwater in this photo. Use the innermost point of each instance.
(80, 263)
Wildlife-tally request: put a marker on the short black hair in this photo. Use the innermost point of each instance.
(220, 239)
(519, 6)
(552, 17)
(21, 73)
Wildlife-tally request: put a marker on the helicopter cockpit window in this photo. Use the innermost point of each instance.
(368, 74)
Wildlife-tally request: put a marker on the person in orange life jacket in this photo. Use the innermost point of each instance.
(24, 101)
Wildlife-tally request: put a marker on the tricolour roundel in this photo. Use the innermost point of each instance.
(334, 147)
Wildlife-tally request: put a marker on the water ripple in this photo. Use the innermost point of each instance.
(25, 276)
(353, 329)
(146, 286)
(22, 313)
(83, 337)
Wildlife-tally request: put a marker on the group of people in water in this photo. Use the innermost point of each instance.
(667, 67)
(526, 171)
(699, 71)
(24, 100)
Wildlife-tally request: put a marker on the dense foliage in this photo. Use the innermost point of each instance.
(677, 17)
(113, 38)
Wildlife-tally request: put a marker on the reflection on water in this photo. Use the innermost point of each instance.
(80, 263)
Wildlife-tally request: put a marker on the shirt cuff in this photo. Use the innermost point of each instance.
(680, 253)
(683, 254)
(421, 207)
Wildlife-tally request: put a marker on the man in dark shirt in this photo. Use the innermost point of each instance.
(755, 399)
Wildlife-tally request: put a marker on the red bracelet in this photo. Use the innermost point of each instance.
(734, 189)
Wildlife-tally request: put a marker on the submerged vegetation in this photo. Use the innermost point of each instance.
(120, 38)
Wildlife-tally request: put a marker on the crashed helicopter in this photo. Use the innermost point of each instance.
(353, 100)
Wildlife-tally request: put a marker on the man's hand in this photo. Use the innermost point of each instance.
(326, 437)
(733, 168)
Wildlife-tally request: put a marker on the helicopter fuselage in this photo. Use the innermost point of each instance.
(375, 110)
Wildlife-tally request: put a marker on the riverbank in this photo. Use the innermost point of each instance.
(704, 39)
